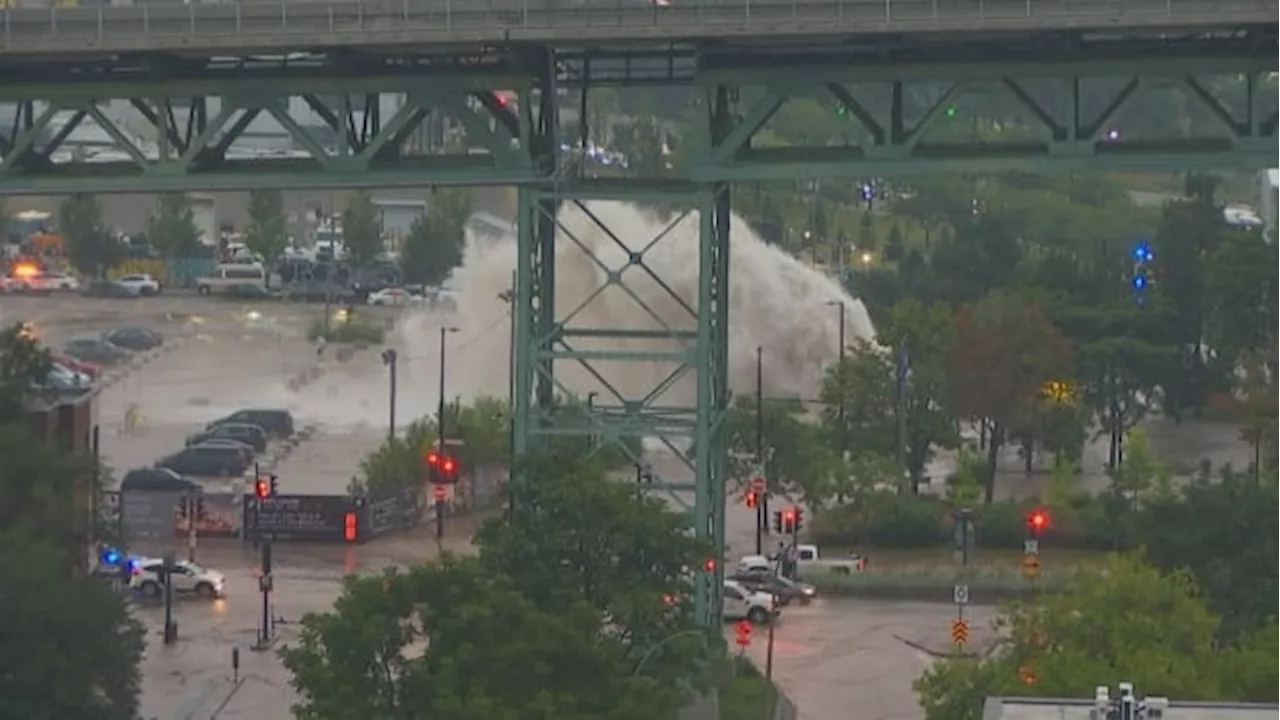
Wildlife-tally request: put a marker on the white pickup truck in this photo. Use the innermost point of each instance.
(808, 562)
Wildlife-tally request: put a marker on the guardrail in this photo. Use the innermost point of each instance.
(280, 26)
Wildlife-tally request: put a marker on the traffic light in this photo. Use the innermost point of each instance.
(777, 521)
(448, 469)
(349, 528)
(709, 565)
(1037, 522)
(789, 518)
(753, 499)
(798, 521)
(275, 485)
(262, 488)
(201, 514)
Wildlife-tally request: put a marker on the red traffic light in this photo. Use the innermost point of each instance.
(447, 465)
(433, 458)
(262, 488)
(789, 514)
(709, 565)
(753, 498)
(1038, 520)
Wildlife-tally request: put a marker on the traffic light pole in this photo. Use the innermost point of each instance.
(762, 507)
(193, 517)
(170, 629)
(265, 583)
(390, 358)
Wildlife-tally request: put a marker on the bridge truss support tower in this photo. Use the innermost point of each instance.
(662, 380)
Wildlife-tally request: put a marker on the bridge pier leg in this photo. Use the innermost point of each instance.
(654, 375)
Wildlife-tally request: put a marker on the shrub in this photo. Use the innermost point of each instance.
(355, 332)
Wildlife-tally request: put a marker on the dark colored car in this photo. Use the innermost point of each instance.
(156, 479)
(252, 435)
(780, 587)
(208, 461)
(277, 423)
(134, 337)
(321, 291)
(253, 291)
(98, 352)
(108, 289)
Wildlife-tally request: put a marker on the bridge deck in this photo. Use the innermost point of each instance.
(302, 25)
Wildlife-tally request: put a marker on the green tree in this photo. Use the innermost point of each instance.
(268, 232)
(1005, 351)
(90, 248)
(76, 651)
(1242, 298)
(641, 141)
(579, 537)
(362, 228)
(438, 239)
(492, 654)
(1121, 619)
(799, 458)
(171, 229)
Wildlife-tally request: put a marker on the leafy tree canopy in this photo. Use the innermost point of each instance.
(437, 239)
(362, 228)
(89, 246)
(171, 229)
(267, 234)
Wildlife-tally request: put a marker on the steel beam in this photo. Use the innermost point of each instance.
(347, 129)
(684, 358)
(1059, 132)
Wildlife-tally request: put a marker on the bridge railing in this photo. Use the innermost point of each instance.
(312, 23)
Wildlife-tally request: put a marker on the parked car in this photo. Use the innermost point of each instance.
(63, 379)
(251, 291)
(394, 297)
(320, 291)
(207, 461)
(108, 289)
(88, 368)
(784, 589)
(99, 352)
(44, 282)
(185, 577)
(741, 602)
(140, 284)
(134, 337)
(157, 479)
(251, 435)
(246, 451)
(277, 423)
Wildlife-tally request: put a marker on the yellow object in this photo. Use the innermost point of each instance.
(157, 269)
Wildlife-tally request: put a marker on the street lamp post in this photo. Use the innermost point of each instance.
(839, 305)
(390, 358)
(440, 425)
(762, 507)
(591, 420)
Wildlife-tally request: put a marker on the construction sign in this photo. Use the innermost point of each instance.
(960, 632)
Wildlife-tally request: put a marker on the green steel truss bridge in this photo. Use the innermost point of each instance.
(369, 77)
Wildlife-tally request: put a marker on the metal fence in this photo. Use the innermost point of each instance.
(297, 23)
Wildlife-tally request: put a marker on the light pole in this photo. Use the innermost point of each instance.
(389, 358)
(659, 645)
(591, 409)
(762, 507)
(440, 426)
(839, 305)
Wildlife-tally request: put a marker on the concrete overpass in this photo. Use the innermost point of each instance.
(317, 26)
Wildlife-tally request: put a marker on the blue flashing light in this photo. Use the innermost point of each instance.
(1139, 282)
(1142, 252)
(110, 557)
(868, 192)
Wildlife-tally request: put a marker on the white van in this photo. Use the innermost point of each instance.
(225, 277)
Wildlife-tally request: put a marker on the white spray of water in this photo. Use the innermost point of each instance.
(775, 303)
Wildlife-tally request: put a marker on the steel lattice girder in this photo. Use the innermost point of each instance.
(550, 342)
(368, 131)
(1073, 140)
